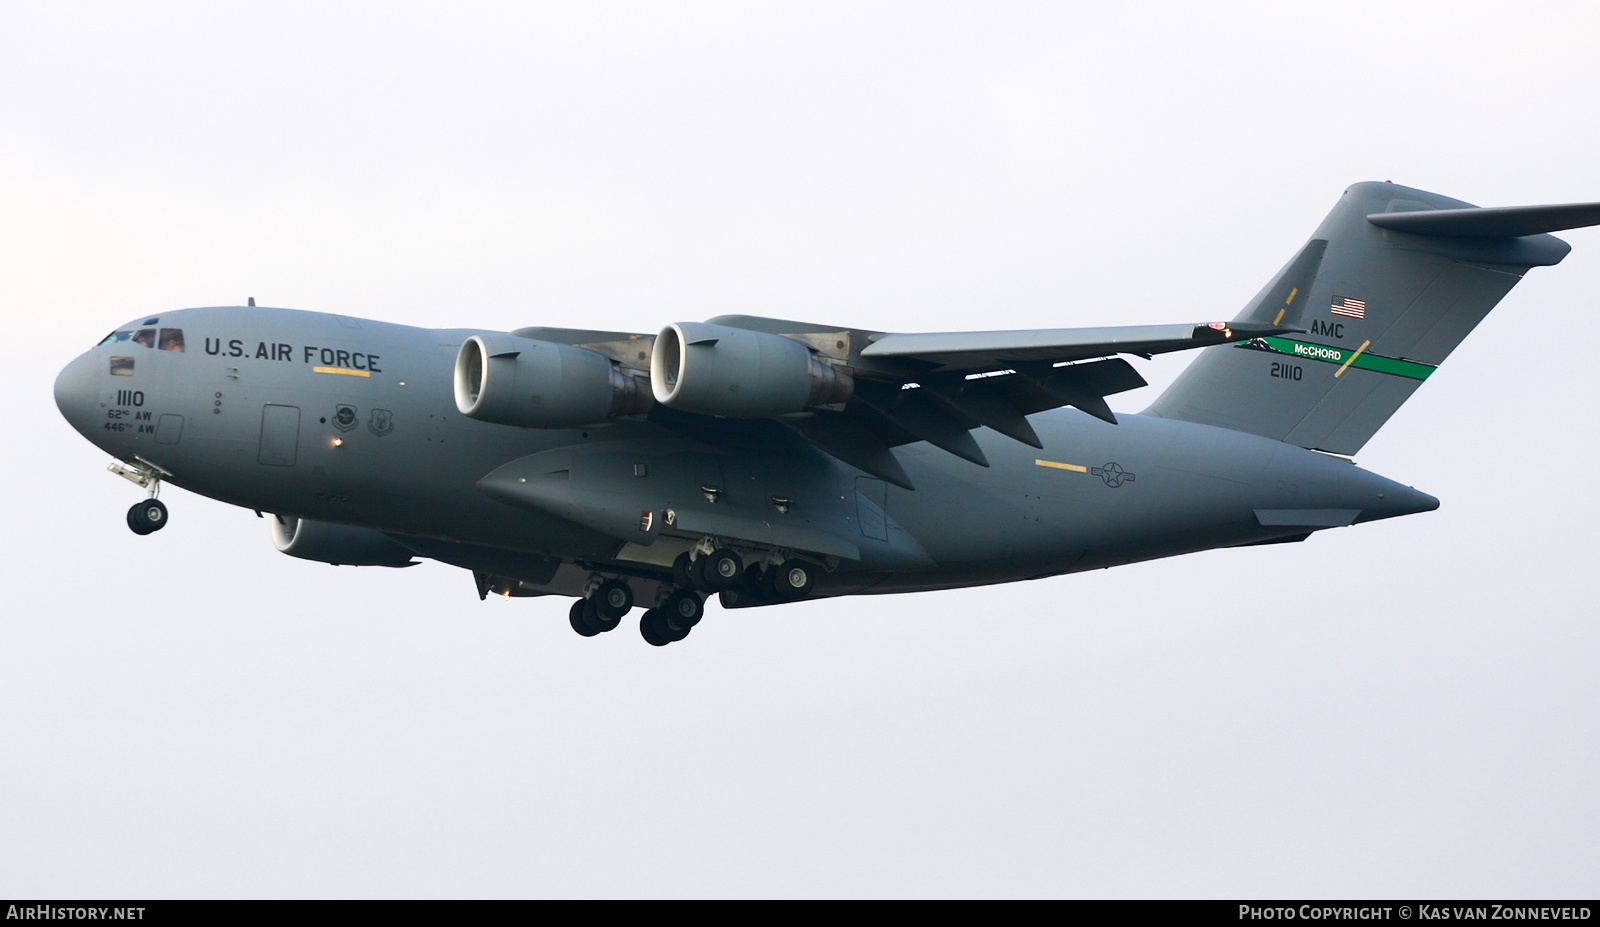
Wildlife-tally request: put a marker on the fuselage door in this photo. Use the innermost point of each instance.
(169, 429)
(280, 435)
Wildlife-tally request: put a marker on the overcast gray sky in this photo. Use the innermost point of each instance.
(1408, 708)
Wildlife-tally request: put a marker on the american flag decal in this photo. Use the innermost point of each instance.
(1349, 306)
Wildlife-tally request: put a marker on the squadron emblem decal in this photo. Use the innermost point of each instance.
(381, 422)
(344, 417)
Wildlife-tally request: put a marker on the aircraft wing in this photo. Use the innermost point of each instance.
(950, 351)
(937, 387)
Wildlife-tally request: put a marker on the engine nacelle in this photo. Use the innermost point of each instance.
(737, 373)
(337, 544)
(540, 384)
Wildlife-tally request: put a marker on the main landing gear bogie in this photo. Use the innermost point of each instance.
(672, 620)
(789, 580)
(695, 574)
(777, 583)
(603, 609)
(712, 572)
(610, 601)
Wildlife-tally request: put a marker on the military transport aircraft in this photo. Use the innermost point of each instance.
(770, 461)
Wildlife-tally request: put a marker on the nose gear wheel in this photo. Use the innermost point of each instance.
(147, 516)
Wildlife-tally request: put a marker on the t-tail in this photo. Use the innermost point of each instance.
(1390, 283)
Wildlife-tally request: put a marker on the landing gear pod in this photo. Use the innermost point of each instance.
(737, 373)
(540, 384)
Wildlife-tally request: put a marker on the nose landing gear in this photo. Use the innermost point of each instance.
(149, 515)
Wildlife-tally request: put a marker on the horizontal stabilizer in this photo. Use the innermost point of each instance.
(1495, 222)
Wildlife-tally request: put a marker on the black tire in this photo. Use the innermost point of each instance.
(721, 569)
(681, 611)
(758, 584)
(578, 616)
(653, 629)
(673, 634)
(683, 571)
(697, 576)
(793, 580)
(149, 515)
(612, 602)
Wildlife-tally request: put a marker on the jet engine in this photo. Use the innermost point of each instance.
(540, 384)
(737, 373)
(340, 545)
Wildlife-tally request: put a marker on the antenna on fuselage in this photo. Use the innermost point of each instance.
(252, 300)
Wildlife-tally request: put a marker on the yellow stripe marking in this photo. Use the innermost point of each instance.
(344, 370)
(1281, 314)
(1340, 371)
(1061, 466)
(1290, 300)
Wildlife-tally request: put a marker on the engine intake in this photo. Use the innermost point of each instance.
(541, 384)
(341, 545)
(737, 373)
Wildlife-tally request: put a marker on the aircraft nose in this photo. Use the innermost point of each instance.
(78, 391)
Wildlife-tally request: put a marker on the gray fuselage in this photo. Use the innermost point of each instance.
(352, 422)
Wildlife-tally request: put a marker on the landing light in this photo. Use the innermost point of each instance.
(338, 442)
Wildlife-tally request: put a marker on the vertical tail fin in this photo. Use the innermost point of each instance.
(1387, 287)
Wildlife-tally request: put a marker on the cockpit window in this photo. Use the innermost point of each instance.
(146, 337)
(122, 366)
(172, 339)
(115, 337)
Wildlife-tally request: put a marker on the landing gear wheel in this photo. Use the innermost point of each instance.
(579, 617)
(149, 515)
(682, 610)
(653, 628)
(672, 634)
(683, 570)
(612, 602)
(792, 580)
(721, 569)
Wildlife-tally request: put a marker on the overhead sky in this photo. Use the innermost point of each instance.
(1403, 709)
